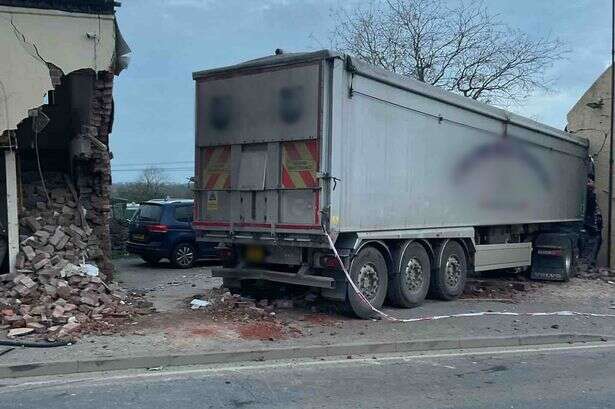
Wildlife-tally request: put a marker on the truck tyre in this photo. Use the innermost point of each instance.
(409, 286)
(369, 272)
(449, 278)
(183, 255)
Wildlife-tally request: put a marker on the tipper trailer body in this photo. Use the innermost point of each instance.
(417, 186)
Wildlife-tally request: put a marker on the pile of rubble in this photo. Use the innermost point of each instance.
(586, 271)
(222, 305)
(255, 319)
(498, 287)
(58, 307)
(57, 289)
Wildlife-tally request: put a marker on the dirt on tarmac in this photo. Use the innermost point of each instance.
(175, 328)
(236, 318)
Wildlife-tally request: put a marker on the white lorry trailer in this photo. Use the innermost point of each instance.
(417, 186)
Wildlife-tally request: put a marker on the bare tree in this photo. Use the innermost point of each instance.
(463, 48)
(152, 181)
(152, 184)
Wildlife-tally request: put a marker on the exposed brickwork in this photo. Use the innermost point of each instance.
(94, 173)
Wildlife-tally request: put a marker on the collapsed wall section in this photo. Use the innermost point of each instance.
(60, 148)
(57, 175)
(65, 211)
(69, 56)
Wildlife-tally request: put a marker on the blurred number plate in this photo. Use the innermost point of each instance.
(255, 254)
(140, 237)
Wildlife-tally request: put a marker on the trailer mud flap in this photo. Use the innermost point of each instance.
(553, 258)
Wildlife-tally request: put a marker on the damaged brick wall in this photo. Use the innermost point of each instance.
(65, 216)
(94, 174)
(64, 220)
(63, 166)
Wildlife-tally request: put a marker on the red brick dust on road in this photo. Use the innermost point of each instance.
(186, 327)
(262, 331)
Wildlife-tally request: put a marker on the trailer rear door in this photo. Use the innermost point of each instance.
(258, 149)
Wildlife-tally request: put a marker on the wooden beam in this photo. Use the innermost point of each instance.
(12, 207)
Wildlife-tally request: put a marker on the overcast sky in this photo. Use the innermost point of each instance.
(170, 39)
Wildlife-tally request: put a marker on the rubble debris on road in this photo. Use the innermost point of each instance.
(63, 304)
(196, 304)
(502, 288)
(16, 332)
(222, 305)
(225, 305)
(505, 287)
(57, 290)
(589, 272)
(264, 319)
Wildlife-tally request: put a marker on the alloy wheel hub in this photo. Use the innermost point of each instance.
(414, 275)
(453, 271)
(368, 281)
(184, 256)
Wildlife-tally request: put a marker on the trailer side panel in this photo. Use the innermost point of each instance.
(410, 161)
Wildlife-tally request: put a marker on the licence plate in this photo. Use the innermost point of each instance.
(138, 237)
(255, 254)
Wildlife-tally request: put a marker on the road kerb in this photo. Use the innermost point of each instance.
(316, 351)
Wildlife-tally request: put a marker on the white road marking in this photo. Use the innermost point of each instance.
(211, 371)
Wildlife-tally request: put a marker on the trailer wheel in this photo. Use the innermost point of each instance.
(409, 286)
(368, 271)
(449, 278)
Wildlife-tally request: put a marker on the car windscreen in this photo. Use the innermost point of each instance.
(149, 213)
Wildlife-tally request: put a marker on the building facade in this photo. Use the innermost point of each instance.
(591, 117)
(59, 59)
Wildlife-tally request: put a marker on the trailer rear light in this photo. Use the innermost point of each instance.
(157, 228)
(225, 253)
(549, 252)
(329, 262)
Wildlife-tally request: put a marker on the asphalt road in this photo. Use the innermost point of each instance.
(539, 377)
(167, 287)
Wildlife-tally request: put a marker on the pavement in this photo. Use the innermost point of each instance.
(554, 376)
(177, 330)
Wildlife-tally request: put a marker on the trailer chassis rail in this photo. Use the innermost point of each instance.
(275, 276)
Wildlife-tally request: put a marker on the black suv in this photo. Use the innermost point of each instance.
(163, 229)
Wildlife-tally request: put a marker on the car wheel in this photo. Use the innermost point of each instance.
(409, 286)
(449, 278)
(183, 255)
(368, 271)
(151, 260)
